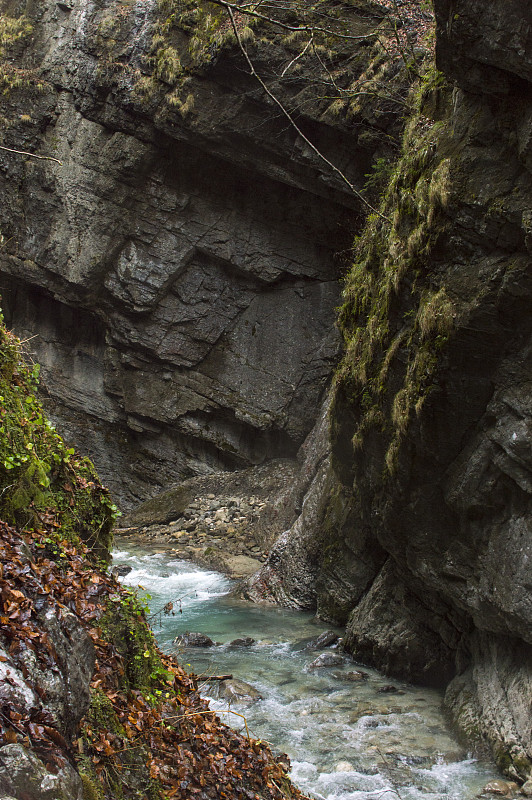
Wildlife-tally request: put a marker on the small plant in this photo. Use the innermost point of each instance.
(42, 480)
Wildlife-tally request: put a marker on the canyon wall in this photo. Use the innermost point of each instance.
(417, 533)
(178, 270)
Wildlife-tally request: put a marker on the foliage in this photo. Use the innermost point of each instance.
(12, 30)
(42, 480)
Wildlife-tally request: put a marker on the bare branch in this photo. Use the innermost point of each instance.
(230, 7)
(299, 55)
(292, 121)
(32, 155)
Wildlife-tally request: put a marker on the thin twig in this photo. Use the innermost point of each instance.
(292, 121)
(294, 28)
(32, 155)
(299, 55)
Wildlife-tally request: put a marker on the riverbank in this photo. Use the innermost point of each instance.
(225, 521)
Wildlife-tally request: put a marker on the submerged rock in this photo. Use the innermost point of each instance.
(238, 691)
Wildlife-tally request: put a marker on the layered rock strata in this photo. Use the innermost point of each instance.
(420, 540)
(177, 270)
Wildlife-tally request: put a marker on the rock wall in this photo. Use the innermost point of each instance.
(177, 270)
(178, 267)
(421, 541)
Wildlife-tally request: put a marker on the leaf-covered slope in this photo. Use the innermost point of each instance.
(89, 707)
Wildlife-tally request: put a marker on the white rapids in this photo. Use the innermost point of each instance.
(347, 740)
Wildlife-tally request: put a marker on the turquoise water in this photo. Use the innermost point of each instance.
(346, 740)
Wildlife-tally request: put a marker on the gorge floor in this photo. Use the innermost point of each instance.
(347, 738)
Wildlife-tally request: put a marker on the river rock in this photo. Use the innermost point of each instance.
(246, 641)
(162, 509)
(193, 639)
(121, 570)
(355, 675)
(344, 766)
(497, 787)
(326, 660)
(325, 639)
(526, 788)
(237, 691)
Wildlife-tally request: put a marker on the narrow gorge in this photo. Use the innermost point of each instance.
(282, 252)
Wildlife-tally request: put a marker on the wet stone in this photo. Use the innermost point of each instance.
(355, 675)
(193, 639)
(498, 788)
(121, 570)
(326, 660)
(238, 691)
(344, 766)
(325, 639)
(245, 641)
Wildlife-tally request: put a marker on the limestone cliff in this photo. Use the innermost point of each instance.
(418, 537)
(178, 269)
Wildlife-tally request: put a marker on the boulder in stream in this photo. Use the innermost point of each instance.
(325, 639)
(121, 569)
(326, 660)
(237, 691)
(500, 788)
(193, 639)
(344, 766)
(245, 641)
(353, 676)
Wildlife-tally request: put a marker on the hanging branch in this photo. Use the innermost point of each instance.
(32, 155)
(291, 120)
(230, 7)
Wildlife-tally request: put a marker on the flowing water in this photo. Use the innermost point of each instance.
(347, 740)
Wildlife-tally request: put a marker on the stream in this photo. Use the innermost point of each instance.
(369, 739)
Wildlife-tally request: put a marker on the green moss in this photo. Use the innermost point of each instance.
(92, 788)
(392, 314)
(43, 482)
(124, 624)
(101, 715)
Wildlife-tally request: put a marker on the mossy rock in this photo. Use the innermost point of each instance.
(161, 509)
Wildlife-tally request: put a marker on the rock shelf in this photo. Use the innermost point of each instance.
(223, 521)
